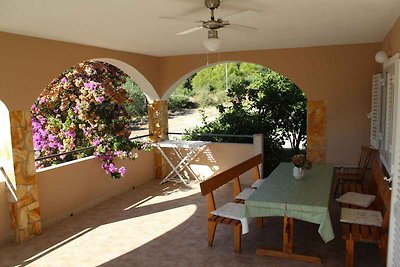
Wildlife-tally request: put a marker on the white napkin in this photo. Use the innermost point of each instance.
(357, 199)
(233, 211)
(359, 216)
(245, 193)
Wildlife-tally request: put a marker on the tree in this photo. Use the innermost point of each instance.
(261, 101)
(278, 98)
(137, 108)
(209, 84)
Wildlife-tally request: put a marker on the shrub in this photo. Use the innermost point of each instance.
(137, 107)
(84, 107)
(177, 102)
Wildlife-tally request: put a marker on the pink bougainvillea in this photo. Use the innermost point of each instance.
(84, 107)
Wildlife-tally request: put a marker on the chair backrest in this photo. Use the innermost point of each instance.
(364, 161)
(381, 188)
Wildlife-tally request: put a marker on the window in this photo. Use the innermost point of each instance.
(383, 116)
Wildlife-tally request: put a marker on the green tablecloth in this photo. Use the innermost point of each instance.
(306, 199)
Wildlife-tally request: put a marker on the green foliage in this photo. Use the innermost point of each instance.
(84, 108)
(276, 98)
(180, 97)
(209, 87)
(261, 101)
(137, 108)
(177, 102)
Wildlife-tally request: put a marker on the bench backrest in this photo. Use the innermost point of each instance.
(233, 173)
(381, 187)
(219, 179)
(365, 158)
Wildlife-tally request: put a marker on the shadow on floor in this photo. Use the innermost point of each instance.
(166, 225)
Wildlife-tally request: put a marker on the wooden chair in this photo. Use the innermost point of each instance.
(357, 175)
(370, 234)
(220, 179)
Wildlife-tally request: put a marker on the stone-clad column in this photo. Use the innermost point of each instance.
(316, 131)
(25, 212)
(158, 130)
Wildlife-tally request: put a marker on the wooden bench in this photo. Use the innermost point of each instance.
(220, 179)
(363, 233)
(356, 175)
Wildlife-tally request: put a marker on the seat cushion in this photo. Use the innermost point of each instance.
(356, 199)
(362, 217)
(257, 183)
(245, 193)
(233, 211)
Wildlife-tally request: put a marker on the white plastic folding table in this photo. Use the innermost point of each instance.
(193, 149)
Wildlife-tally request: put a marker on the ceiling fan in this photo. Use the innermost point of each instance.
(213, 43)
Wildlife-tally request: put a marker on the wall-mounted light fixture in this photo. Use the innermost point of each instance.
(381, 57)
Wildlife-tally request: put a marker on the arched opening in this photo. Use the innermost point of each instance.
(87, 110)
(6, 157)
(141, 90)
(135, 75)
(251, 99)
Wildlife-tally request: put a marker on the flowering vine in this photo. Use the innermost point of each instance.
(84, 108)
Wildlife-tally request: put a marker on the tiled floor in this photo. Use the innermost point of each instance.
(166, 225)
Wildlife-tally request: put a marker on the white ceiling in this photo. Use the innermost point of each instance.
(135, 26)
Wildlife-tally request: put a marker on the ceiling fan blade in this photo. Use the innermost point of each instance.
(240, 14)
(181, 19)
(190, 30)
(242, 28)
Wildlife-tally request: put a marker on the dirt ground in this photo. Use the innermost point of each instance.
(181, 120)
(185, 119)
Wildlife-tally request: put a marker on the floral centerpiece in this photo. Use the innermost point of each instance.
(300, 162)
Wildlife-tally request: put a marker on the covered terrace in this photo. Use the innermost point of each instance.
(73, 214)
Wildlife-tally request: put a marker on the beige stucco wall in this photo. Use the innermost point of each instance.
(221, 156)
(341, 75)
(216, 157)
(391, 43)
(75, 186)
(29, 64)
(72, 187)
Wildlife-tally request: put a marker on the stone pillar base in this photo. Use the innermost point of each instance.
(158, 130)
(316, 131)
(25, 212)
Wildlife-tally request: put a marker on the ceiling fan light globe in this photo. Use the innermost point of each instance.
(213, 44)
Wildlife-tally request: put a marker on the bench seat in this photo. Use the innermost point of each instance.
(352, 233)
(210, 185)
(224, 220)
(363, 233)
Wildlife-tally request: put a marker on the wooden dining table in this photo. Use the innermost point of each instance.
(305, 199)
